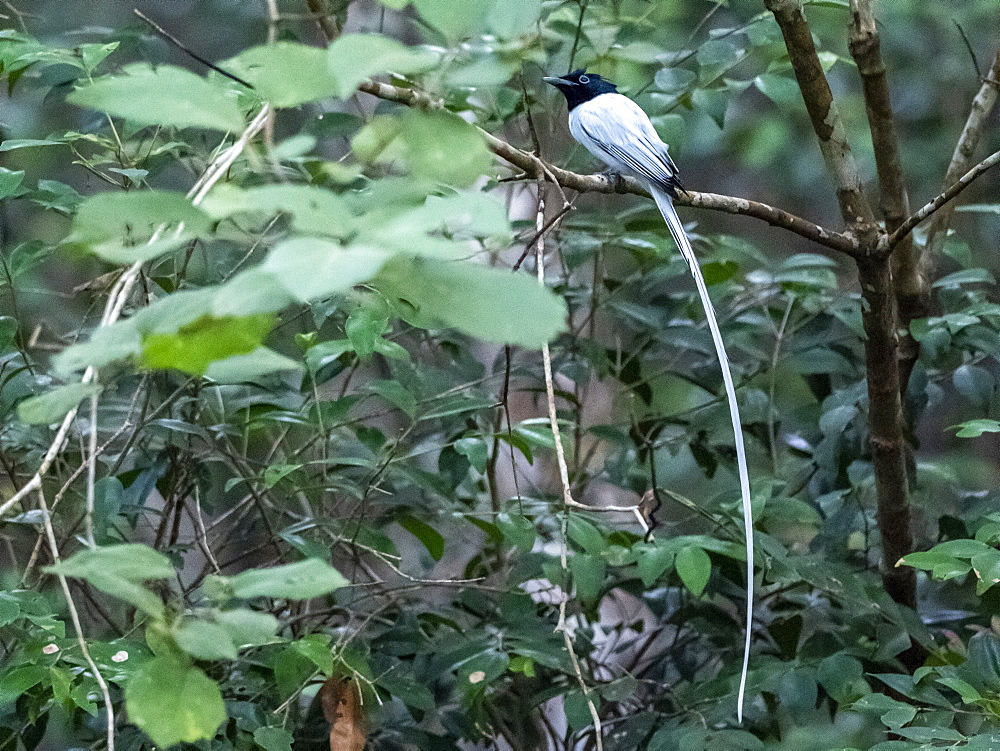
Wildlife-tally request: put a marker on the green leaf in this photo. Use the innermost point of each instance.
(195, 346)
(652, 561)
(134, 217)
(354, 58)
(364, 328)
(940, 565)
(517, 530)
(285, 74)
(250, 367)
(53, 405)
(694, 567)
(782, 90)
(311, 268)
(119, 571)
(295, 581)
(174, 702)
(314, 211)
(133, 562)
(984, 660)
(962, 548)
(14, 683)
(273, 739)
(316, 649)
(11, 144)
(975, 428)
(204, 640)
(182, 99)
(430, 537)
(439, 145)
(674, 80)
(586, 535)
(588, 576)
(715, 57)
(511, 18)
(987, 569)
(107, 344)
(487, 303)
(410, 691)
(247, 627)
(456, 20)
(10, 182)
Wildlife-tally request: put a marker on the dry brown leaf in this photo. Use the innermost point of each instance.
(341, 702)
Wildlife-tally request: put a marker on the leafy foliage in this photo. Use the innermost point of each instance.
(322, 449)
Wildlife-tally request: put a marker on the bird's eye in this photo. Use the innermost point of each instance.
(584, 79)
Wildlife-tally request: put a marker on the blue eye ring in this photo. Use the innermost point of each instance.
(584, 79)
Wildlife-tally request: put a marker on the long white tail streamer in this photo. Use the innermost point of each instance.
(666, 205)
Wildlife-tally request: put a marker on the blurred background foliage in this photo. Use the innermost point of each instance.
(389, 434)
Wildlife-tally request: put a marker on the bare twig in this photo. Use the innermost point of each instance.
(929, 208)
(74, 615)
(567, 494)
(323, 20)
(187, 50)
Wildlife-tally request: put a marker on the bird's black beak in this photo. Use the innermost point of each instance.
(557, 81)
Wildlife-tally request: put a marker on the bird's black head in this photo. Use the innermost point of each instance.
(580, 86)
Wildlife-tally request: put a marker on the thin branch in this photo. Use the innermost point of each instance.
(925, 211)
(532, 166)
(823, 113)
(74, 615)
(187, 50)
(965, 149)
(567, 494)
(323, 20)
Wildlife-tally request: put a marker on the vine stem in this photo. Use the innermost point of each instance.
(567, 494)
(74, 615)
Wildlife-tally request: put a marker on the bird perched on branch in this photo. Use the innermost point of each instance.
(615, 130)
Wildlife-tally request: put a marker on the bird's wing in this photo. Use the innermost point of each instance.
(622, 131)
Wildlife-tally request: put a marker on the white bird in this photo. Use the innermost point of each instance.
(615, 130)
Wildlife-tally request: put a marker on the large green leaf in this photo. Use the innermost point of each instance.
(174, 702)
(456, 20)
(132, 562)
(195, 346)
(694, 567)
(440, 145)
(165, 95)
(353, 58)
(134, 215)
(314, 211)
(119, 570)
(310, 267)
(249, 367)
(286, 74)
(295, 581)
(107, 344)
(53, 405)
(487, 303)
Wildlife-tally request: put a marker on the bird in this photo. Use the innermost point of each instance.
(616, 131)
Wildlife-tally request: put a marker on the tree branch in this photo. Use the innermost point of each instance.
(865, 47)
(823, 113)
(962, 158)
(913, 266)
(957, 187)
(536, 168)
